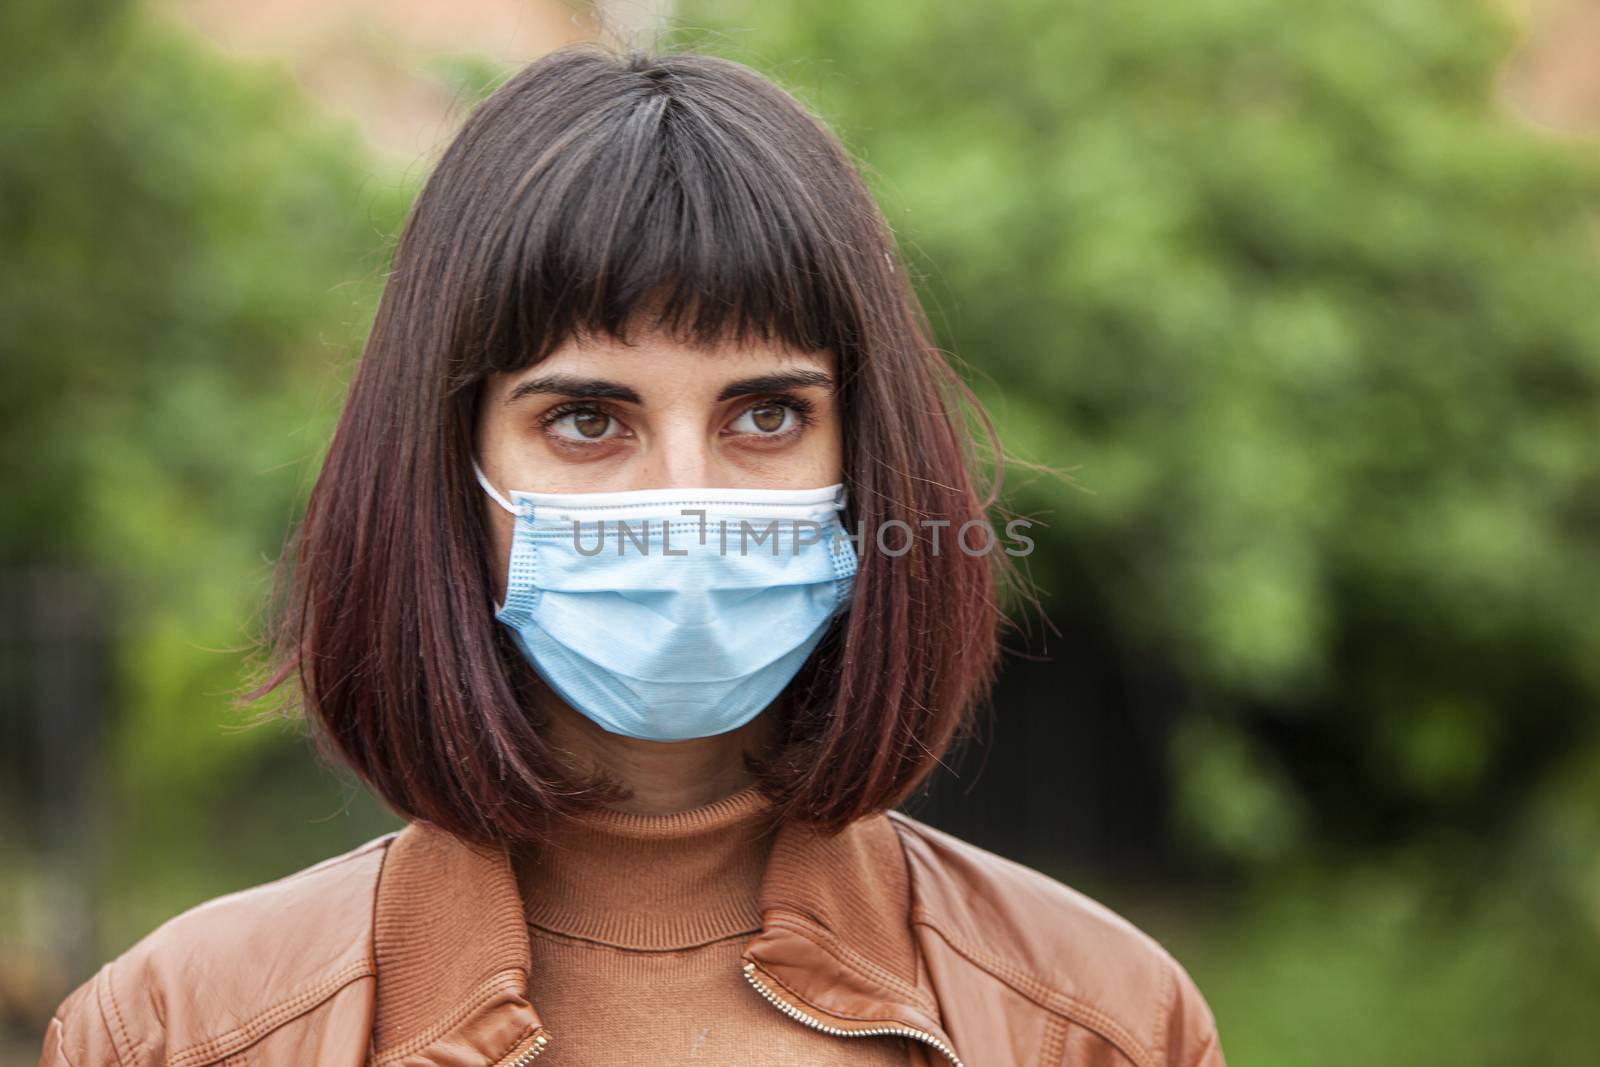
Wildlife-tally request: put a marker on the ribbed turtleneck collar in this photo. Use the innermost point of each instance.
(652, 882)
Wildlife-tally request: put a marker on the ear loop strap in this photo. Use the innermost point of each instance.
(483, 480)
(840, 499)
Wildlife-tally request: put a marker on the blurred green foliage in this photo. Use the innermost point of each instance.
(191, 257)
(1312, 322)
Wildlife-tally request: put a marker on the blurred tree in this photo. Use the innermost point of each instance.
(1317, 328)
(190, 259)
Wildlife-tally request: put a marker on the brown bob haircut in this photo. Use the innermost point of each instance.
(597, 193)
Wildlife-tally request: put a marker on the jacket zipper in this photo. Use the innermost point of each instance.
(816, 1024)
(528, 1055)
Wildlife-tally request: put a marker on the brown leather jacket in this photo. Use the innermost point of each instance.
(411, 949)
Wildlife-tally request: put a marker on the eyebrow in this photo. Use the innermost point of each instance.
(600, 389)
(775, 383)
(574, 386)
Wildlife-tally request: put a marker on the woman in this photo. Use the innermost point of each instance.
(649, 784)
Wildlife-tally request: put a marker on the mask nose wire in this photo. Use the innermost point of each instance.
(483, 480)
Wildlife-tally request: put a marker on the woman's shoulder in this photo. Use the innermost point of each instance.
(1056, 945)
(227, 971)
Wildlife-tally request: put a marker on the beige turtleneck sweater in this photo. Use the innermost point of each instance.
(637, 922)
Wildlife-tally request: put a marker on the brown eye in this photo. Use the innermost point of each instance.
(584, 424)
(591, 424)
(764, 420)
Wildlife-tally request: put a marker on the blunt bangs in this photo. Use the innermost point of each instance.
(652, 197)
(598, 194)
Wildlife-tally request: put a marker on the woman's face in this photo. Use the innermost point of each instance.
(600, 416)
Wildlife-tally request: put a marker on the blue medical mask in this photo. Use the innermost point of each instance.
(668, 614)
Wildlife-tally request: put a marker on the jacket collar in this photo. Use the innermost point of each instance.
(452, 950)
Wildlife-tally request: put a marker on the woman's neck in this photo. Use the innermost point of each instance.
(665, 776)
(652, 882)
